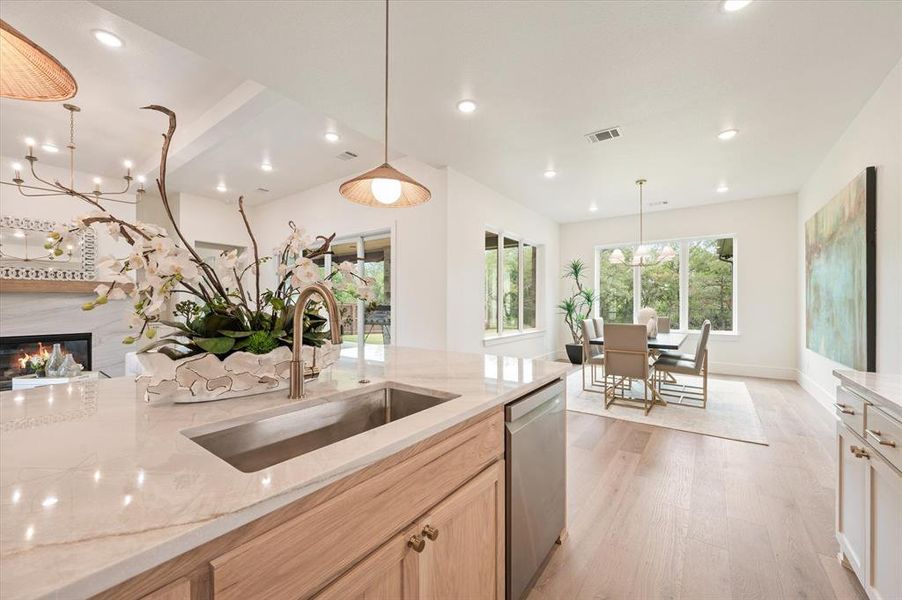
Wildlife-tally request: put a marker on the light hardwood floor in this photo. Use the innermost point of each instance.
(659, 513)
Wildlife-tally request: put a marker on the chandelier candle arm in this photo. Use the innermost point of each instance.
(55, 188)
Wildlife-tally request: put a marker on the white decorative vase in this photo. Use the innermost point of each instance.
(206, 377)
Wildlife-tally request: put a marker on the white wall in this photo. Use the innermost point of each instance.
(211, 220)
(418, 245)
(873, 138)
(471, 208)
(765, 231)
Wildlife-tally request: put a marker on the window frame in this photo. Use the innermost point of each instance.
(500, 330)
(681, 245)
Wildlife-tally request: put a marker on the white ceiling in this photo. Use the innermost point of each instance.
(789, 75)
(113, 84)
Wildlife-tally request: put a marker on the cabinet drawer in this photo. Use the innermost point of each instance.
(850, 409)
(884, 434)
(297, 558)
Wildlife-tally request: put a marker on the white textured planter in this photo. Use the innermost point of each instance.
(205, 377)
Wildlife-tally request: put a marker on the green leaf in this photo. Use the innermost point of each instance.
(215, 345)
(235, 334)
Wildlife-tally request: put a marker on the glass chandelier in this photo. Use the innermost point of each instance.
(642, 257)
(46, 188)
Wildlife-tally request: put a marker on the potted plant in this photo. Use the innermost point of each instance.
(576, 307)
(225, 336)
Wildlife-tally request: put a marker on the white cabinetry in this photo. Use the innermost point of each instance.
(869, 496)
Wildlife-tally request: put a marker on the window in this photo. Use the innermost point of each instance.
(696, 285)
(711, 283)
(511, 278)
(615, 288)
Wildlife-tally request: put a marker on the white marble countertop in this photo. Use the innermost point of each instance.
(886, 387)
(97, 485)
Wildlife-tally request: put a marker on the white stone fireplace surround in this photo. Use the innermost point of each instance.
(35, 314)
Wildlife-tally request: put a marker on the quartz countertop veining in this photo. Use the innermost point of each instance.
(98, 485)
(886, 387)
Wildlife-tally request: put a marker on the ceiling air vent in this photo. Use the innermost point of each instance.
(262, 189)
(346, 155)
(604, 134)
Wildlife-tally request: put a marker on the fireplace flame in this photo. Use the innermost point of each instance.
(42, 353)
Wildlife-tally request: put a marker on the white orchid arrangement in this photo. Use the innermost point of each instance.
(217, 314)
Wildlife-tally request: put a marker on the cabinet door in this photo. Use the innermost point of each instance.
(389, 573)
(466, 558)
(884, 565)
(850, 499)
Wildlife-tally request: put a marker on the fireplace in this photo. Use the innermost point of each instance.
(14, 348)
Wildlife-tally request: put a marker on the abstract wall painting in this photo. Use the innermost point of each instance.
(840, 275)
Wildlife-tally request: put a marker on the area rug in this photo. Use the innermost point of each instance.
(730, 413)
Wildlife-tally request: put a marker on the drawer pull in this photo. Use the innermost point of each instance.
(859, 452)
(416, 542)
(876, 435)
(844, 409)
(430, 532)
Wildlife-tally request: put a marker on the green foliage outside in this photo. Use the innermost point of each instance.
(710, 287)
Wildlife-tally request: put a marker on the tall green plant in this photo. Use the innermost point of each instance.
(578, 305)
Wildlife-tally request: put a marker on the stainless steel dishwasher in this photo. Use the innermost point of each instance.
(535, 446)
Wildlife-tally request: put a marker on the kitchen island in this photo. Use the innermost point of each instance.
(99, 486)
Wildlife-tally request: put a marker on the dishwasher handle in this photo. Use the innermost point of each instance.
(522, 406)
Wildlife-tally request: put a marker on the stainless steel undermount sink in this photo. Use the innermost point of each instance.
(269, 440)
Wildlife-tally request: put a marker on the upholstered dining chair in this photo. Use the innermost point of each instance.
(625, 359)
(592, 355)
(686, 364)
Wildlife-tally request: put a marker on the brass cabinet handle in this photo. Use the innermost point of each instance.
(430, 532)
(877, 436)
(859, 452)
(416, 542)
(844, 409)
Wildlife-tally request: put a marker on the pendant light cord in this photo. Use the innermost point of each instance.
(386, 81)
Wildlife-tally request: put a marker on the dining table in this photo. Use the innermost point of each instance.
(662, 341)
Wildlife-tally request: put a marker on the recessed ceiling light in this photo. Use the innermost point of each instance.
(266, 167)
(593, 208)
(466, 106)
(722, 189)
(107, 39)
(51, 148)
(734, 5)
(728, 134)
(550, 174)
(331, 136)
(222, 188)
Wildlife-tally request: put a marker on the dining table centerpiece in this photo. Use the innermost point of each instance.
(210, 330)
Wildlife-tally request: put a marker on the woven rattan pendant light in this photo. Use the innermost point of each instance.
(385, 186)
(28, 72)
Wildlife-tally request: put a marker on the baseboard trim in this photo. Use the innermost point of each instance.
(823, 397)
(742, 370)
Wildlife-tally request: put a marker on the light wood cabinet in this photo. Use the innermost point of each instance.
(455, 551)
(466, 560)
(869, 499)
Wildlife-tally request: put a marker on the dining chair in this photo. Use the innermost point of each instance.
(686, 364)
(599, 325)
(592, 355)
(626, 359)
